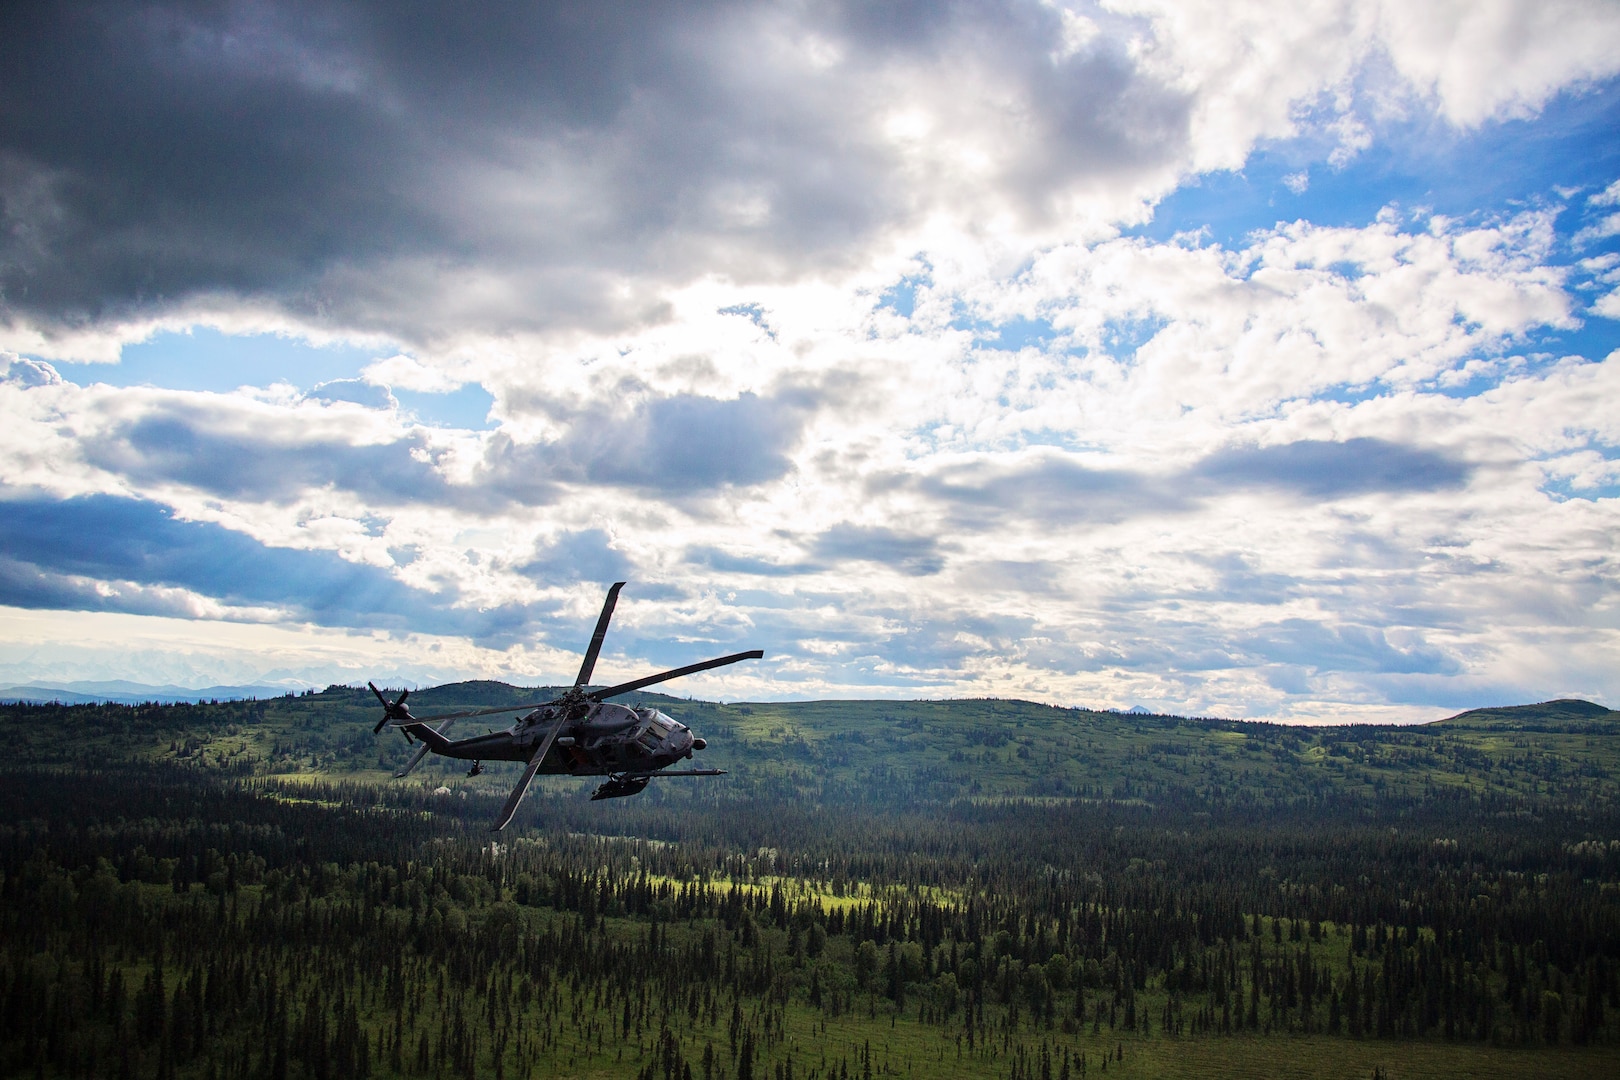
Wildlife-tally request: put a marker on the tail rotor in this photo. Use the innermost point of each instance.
(392, 710)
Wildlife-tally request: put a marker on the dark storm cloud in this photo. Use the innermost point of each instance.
(156, 150)
(75, 553)
(352, 162)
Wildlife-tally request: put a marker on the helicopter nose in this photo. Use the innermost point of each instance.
(700, 744)
(683, 743)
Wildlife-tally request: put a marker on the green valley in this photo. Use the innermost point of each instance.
(954, 888)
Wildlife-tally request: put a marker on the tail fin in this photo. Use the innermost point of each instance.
(422, 751)
(430, 738)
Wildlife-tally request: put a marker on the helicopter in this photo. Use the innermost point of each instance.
(580, 733)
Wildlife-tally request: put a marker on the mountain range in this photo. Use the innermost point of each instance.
(122, 692)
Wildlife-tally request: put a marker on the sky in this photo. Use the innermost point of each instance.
(1247, 359)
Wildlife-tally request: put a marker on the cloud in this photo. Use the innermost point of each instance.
(1331, 470)
(354, 391)
(102, 553)
(25, 585)
(1049, 487)
(1059, 489)
(686, 442)
(28, 373)
(505, 168)
(1499, 58)
(677, 446)
(817, 321)
(1345, 648)
(917, 556)
(1238, 581)
(526, 170)
(730, 563)
(910, 554)
(1607, 226)
(587, 555)
(1150, 501)
(200, 445)
(343, 437)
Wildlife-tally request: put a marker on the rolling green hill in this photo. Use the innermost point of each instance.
(1570, 715)
(902, 751)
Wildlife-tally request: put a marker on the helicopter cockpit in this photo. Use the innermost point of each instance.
(621, 737)
(662, 737)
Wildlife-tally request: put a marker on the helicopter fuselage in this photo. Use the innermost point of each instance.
(598, 741)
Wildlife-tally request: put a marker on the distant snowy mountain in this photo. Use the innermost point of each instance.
(122, 692)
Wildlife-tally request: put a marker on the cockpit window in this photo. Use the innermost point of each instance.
(656, 731)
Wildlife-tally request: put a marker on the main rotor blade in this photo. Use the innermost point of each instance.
(663, 676)
(522, 788)
(595, 648)
(491, 711)
(422, 751)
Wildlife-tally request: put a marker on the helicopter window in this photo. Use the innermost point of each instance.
(654, 734)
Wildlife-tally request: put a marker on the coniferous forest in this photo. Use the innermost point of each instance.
(999, 889)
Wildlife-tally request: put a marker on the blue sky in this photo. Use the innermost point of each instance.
(1252, 359)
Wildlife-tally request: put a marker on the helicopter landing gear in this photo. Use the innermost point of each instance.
(618, 787)
(478, 767)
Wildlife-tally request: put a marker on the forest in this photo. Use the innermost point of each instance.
(967, 888)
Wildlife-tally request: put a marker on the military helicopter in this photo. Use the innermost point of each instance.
(578, 734)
